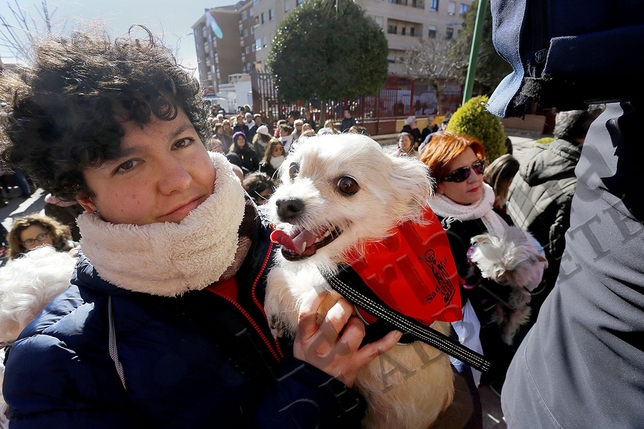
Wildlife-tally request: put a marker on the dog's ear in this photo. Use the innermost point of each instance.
(410, 177)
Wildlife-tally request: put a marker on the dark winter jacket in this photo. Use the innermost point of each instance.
(539, 201)
(484, 295)
(203, 359)
(347, 123)
(582, 364)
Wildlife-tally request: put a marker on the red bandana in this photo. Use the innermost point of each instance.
(413, 271)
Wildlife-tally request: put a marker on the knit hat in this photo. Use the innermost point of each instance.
(410, 119)
(239, 133)
(263, 129)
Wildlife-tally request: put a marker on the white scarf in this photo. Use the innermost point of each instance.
(276, 161)
(447, 208)
(169, 259)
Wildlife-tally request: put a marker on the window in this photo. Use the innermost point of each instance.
(298, 2)
(403, 30)
(264, 42)
(463, 8)
(244, 15)
(262, 18)
(287, 6)
(245, 32)
(392, 29)
(433, 5)
(432, 32)
(449, 33)
(412, 31)
(378, 20)
(451, 8)
(271, 14)
(248, 49)
(258, 44)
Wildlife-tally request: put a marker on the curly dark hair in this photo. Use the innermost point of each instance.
(67, 107)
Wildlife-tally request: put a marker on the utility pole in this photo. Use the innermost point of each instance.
(474, 52)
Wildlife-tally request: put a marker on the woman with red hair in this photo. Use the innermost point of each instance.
(464, 203)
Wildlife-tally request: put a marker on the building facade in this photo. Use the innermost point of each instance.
(404, 22)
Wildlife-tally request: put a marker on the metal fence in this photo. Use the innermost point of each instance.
(401, 97)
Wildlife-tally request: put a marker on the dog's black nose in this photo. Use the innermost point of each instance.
(289, 208)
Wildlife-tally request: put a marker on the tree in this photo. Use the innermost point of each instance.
(433, 60)
(490, 68)
(328, 49)
(19, 35)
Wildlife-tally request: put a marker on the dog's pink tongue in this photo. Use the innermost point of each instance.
(296, 244)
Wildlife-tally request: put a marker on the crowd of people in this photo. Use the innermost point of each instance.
(168, 325)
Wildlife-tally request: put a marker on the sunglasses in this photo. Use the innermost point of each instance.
(463, 173)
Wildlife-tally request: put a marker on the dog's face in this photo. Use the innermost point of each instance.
(340, 191)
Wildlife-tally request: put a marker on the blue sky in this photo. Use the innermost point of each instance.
(172, 20)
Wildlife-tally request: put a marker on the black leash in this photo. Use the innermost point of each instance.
(345, 282)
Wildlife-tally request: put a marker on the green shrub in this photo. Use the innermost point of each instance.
(472, 119)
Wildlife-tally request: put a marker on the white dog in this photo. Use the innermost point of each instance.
(515, 259)
(27, 284)
(339, 192)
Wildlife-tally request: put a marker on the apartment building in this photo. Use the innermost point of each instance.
(403, 22)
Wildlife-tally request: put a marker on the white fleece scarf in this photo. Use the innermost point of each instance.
(277, 161)
(169, 259)
(447, 208)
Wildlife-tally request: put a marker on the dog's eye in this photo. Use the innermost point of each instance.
(348, 185)
(293, 170)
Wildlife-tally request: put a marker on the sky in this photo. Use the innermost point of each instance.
(172, 19)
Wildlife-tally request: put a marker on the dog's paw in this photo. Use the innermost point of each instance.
(279, 327)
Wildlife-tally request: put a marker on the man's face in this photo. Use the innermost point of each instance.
(347, 114)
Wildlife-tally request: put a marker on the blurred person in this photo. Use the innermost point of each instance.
(432, 127)
(540, 197)
(225, 139)
(259, 186)
(406, 145)
(499, 175)
(34, 230)
(411, 127)
(247, 156)
(64, 212)
(308, 119)
(240, 126)
(347, 121)
(261, 140)
(273, 158)
(285, 134)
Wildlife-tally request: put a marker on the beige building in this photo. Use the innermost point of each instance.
(404, 22)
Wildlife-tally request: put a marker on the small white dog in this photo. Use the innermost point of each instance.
(338, 193)
(515, 259)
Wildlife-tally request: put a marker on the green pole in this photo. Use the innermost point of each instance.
(474, 52)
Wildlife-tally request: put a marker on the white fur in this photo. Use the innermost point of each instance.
(411, 384)
(27, 284)
(512, 259)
